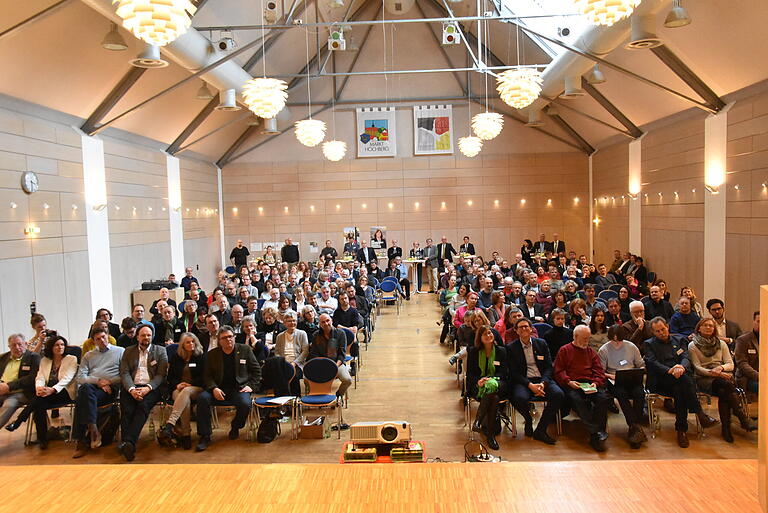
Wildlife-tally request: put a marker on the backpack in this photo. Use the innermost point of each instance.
(268, 430)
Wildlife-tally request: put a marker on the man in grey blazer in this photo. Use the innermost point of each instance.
(143, 369)
(430, 254)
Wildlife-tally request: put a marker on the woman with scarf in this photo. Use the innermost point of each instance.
(188, 319)
(713, 369)
(488, 382)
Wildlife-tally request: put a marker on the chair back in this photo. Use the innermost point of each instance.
(230, 269)
(75, 351)
(598, 289)
(319, 374)
(607, 295)
(260, 303)
(616, 287)
(651, 276)
(389, 278)
(388, 286)
(288, 370)
(171, 350)
(542, 328)
(601, 300)
(373, 282)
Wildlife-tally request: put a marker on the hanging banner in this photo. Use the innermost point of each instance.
(376, 132)
(432, 130)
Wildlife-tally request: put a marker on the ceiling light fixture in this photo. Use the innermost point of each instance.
(487, 125)
(677, 17)
(310, 132)
(149, 58)
(156, 22)
(596, 76)
(204, 93)
(519, 87)
(227, 100)
(265, 96)
(602, 12)
(113, 40)
(470, 146)
(334, 150)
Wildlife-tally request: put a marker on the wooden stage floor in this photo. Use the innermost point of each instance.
(563, 487)
(405, 376)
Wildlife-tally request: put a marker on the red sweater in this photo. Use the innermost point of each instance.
(576, 364)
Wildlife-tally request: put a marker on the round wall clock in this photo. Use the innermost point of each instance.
(29, 182)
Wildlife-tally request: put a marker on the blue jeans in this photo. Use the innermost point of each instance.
(89, 398)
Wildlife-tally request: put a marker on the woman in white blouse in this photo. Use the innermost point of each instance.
(55, 386)
(293, 345)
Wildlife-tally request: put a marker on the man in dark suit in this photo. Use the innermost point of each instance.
(530, 369)
(329, 252)
(444, 251)
(394, 251)
(467, 247)
(670, 374)
(168, 328)
(727, 331)
(366, 255)
(18, 369)
(557, 246)
(232, 373)
(541, 245)
(143, 369)
(531, 309)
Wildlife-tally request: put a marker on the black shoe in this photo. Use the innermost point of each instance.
(352, 368)
(542, 436)
(203, 443)
(128, 450)
(597, 444)
(529, 428)
(726, 432)
(165, 436)
(477, 427)
(234, 433)
(705, 420)
(43, 444)
(407, 298)
(492, 443)
(602, 435)
(13, 426)
(636, 436)
(186, 442)
(682, 439)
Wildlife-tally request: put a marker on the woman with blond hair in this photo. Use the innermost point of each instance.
(185, 382)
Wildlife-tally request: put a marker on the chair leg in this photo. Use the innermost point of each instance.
(651, 415)
(28, 435)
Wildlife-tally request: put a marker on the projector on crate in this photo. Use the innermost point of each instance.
(387, 432)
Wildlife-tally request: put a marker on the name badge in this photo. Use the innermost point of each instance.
(153, 363)
(752, 351)
(497, 363)
(177, 330)
(623, 362)
(242, 361)
(539, 356)
(25, 367)
(192, 365)
(680, 351)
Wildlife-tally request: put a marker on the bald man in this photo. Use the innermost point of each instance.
(580, 374)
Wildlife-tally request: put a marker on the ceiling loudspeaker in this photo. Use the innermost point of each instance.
(573, 88)
(270, 11)
(398, 6)
(643, 35)
(149, 58)
(388, 432)
(227, 100)
(270, 127)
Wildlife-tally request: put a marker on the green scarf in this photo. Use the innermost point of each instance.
(707, 346)
(487, 370)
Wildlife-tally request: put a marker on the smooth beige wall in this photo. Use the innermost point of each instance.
(51, 268)
(672, 225)
(364, 188)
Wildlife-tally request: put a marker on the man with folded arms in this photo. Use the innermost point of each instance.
(99, 379)
(143, 369)
(231, 374)
(531, 377)
(669, 374)
(18, 368)
(580, 374)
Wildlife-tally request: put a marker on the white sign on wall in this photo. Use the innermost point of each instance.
(432, 130)
(376, 133)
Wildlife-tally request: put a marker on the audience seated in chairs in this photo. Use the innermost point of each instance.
(615, 355)
(99, 382)
(580, 374)
(714, 373)
(531, 378)
(185, 384)
(54, 386)
(748, 357)
(143, 369)
(488, 382)
(231, 374)
(669, 374)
